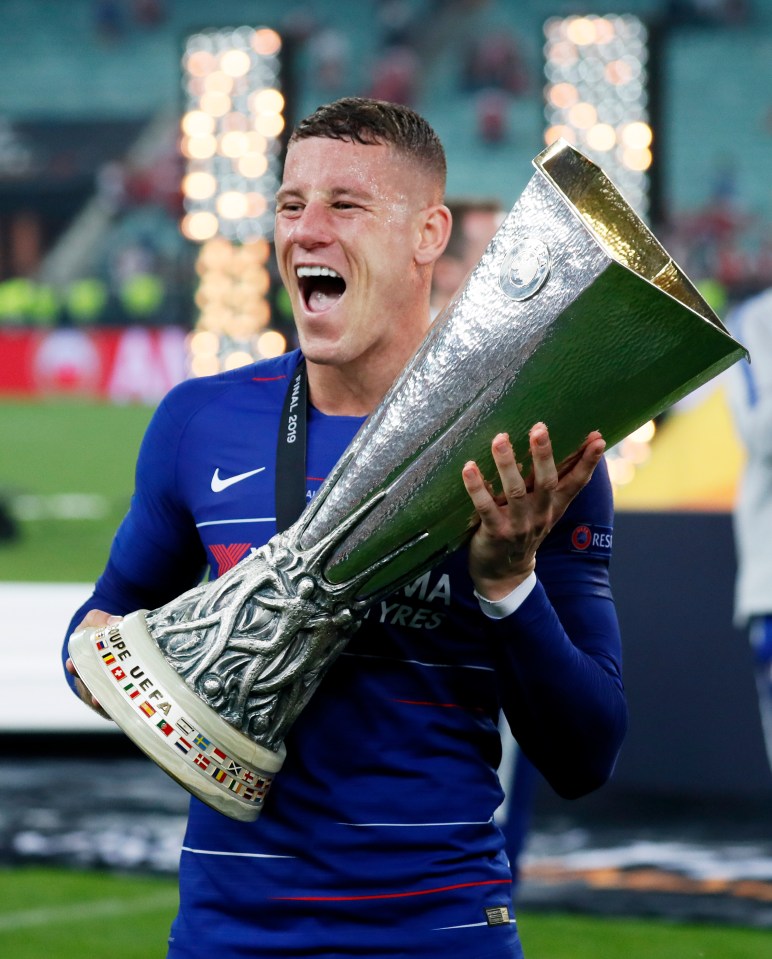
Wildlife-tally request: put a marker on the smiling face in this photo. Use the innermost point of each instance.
(358, 228)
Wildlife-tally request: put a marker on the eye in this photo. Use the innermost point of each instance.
(289, 207)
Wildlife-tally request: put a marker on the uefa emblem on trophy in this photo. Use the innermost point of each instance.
(575, 316)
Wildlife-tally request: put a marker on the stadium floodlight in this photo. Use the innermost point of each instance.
(232, 121)
(230, 137)
(596, 96)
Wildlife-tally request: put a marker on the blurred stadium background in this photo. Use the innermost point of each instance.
(139, 145)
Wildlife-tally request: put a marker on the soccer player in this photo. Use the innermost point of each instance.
(378, 837)
(749, 386)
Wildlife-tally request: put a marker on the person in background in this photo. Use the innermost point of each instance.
(750, 399)
(474, 222)
(378, 836)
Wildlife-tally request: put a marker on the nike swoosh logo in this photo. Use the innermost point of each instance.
(219, 484)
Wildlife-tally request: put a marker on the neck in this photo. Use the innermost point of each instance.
(338, 391)
(356, 389)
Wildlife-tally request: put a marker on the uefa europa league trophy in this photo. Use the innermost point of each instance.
(575, 316)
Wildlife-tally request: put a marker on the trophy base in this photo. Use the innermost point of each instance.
(123, 668)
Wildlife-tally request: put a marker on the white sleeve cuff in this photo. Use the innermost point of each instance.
(500, 608)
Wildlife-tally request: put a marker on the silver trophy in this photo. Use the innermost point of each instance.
(575, 316)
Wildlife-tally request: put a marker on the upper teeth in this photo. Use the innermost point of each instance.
(317, 271)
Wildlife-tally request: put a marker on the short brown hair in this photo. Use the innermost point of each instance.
(363, 120)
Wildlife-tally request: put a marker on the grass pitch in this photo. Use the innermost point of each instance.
(63, 914)
(67, 474)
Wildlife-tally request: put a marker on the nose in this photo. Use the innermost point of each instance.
(312, 227)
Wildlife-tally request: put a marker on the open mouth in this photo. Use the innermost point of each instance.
(320, 287)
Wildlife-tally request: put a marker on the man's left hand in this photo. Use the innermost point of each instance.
(514, 523)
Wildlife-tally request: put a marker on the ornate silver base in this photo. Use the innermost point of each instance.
(150, 701)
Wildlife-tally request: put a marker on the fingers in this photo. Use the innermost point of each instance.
(514, 488)
(480, 492)
(512, 483)
(98, 617)
(573, 473)
(500, 556)
(594, 445)
(546, 478)
(545, 473)
(94, 618)
(83, 691)
(586, 459)
(514, 523)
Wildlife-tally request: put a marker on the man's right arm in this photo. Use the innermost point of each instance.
(156, 554)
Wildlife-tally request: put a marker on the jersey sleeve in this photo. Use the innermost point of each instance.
(559, 659)
(156, 554)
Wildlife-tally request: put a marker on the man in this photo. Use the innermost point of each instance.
(377, 838)
(750, 396)
(474, 222)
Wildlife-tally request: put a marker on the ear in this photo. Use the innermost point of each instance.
(433, 234)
